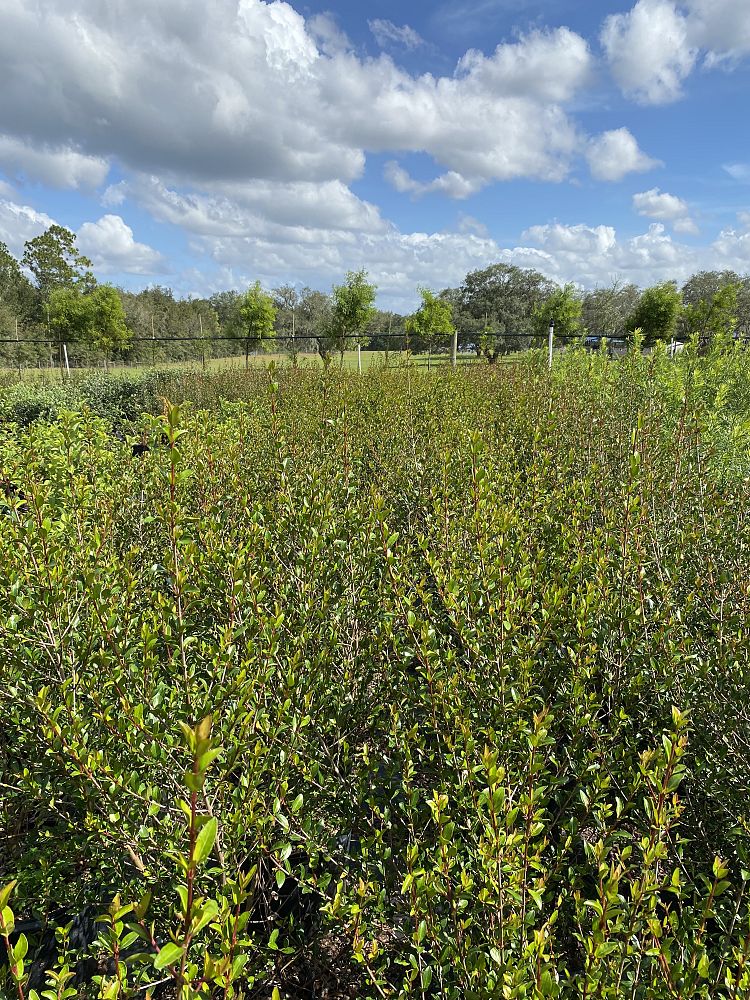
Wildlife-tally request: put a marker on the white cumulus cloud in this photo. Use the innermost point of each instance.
(398, 262)
(236, 209)
(649, 51)
(452, 183)
(247, 89)
(722, 27)
(614, 154)
(578, 239)
(733, 247)
(112, 248)
(19, 224)
(550, 65)
(656, 204)
(652, 48)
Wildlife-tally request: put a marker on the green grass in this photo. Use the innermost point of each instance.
(370, 359)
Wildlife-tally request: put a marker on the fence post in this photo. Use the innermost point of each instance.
(359, 358)
(551, 338)
(454, 350)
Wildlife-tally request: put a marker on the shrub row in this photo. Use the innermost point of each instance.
(394, 685)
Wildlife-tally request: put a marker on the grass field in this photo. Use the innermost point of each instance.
(370, 359)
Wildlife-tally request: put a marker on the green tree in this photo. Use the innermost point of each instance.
(657, 312)
(712, 318)
(385, 331)
(314, 322)
(16, 291)
(353, 306)
(17, 311)
(434, 318)
(703, 285)
(714, 301)
(68, 313)
(500, 300)
(56, 262)
(96, 320)
(257, 313)
(106, 329)
(563, 308)
(605, 311)
(286, 299)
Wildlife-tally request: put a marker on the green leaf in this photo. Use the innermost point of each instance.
(170, 954)
(22, 946)
(188, 734)
(194, 781)
(205, 915)
(547, 986)
(141, 908)
(718, 868)
(8, 921)
(6, 892)
(203, 729)
(206, 759)
(205, 841)
(239, 963)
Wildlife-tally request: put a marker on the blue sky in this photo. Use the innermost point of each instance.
(203, 146)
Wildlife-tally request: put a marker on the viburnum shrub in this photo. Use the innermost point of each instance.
(404, 684)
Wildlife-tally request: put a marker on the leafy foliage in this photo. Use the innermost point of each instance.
(433, 318)
(97, 318)
(352, 307)
(501, 301)
(394, 685)
(657, 312)
(257, 314)
(606, 311)
(563, 307)
(55, 261)
(713, 318)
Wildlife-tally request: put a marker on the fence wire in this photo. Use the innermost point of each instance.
(389, 349)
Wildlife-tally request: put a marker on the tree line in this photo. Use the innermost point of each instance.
(50, 303)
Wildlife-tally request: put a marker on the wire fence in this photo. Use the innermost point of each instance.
(385, 349)
(26, 354)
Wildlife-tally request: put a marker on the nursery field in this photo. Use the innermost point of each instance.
(407, 684)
